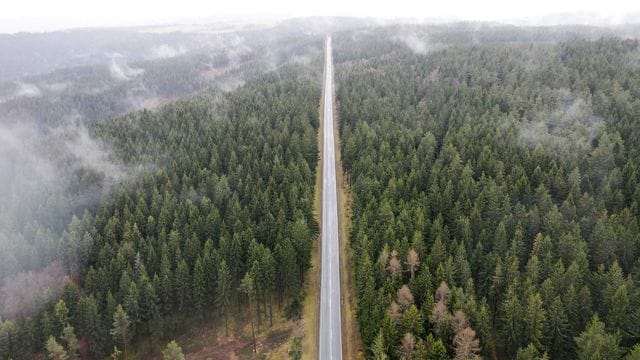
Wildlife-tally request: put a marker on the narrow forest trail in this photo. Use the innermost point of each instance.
(330, 343)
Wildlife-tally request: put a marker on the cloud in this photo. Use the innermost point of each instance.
(27, 90)
(567, 132)
(46, 175)
(21, 162)
(120, 71)
(21, 90)
(166, 51)
(230, 83)
(20, 293)
(236, 48)
(38, 165)
(418, 41)
(416, 44)
(57, 87)
(92, 154)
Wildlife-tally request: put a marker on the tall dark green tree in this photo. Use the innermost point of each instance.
(223, 294)
(120, 328)
(596, 343)
(247, 287)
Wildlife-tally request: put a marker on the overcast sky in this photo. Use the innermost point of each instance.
(45, 15)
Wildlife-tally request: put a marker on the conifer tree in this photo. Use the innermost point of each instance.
(223, 293)
(173, 351)
(120, 328)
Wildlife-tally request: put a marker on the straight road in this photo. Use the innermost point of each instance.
(330, 320)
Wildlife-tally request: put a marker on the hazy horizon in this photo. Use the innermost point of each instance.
(40, 16)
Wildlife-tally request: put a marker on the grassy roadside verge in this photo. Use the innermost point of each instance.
(351, 342)
(205, 338)
(311, 309)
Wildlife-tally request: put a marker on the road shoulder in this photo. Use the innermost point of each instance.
(311, 308)
(351, 343)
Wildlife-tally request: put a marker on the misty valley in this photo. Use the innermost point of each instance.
(161, 190)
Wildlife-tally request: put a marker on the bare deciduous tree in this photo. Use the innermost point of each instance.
(439, 314)
(443, 291)
(413, 261)
(407, 346)
(395, 267)
(395, 311)
(405, 297)
(459, 321)
(466, 344)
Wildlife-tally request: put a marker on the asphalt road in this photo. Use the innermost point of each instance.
(330, 320)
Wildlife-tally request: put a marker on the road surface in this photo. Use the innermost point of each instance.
(330, 319)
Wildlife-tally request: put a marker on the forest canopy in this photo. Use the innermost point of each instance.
(495, 192)
(229, 196)
(493, 172)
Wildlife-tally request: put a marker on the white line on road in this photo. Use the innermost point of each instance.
(330, 317)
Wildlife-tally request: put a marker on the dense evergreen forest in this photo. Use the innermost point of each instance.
(228, 200)
(495, 192)
(494, 173)
(184, 214)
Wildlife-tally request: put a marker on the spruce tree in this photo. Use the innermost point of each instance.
(223, 299)
(120, 328)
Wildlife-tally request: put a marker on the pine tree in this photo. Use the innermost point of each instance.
(248, 288)
(199, 287)
(390, 333)
(269, 268)
(55, 351)
(368, 311)
(295, 351)
(7, 338)
(90, 324)
(420, 351)
(436, 349)
(412, 321)
(182, 285)
(166, 285)
(287, 268)
(223, 299)
(596, 344)
(619, 308)
(534, 318)
(69, 337)
(530, 353)
(556, 330)
(61, 316)
(173, 351)
(148, 305)
(378, 349)
(634, 353)
(256, 274)
(512, 319)
(28, 335)
(132, 307)
(120, 328)
(70, 296)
